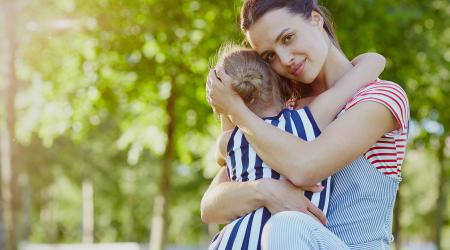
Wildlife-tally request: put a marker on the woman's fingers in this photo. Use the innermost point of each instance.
(219, 93)
(211, 78)
(314, 188)
(212, 83)
(224, 78)
(317, 213)
(207, 89)
(313, 216)
(209, 86)
(217, 76)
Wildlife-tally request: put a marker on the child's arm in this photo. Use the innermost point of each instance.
(221, 148)
(326, 106)
(225, 123)
(221, 145)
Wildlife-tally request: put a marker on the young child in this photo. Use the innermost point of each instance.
(265, 93)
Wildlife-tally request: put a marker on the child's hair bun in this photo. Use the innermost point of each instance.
(248, 84)
(251, 75)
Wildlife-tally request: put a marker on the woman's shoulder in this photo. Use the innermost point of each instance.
(388, 88)
(387, 93)
(388, 153)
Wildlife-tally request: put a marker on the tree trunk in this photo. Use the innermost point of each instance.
(3, 236)
(441, 195)
(8, 171)
(88, 211)
(160, 211)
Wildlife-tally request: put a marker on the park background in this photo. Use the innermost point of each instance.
(106, 135)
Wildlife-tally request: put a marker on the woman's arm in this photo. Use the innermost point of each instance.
(218, 204)
(225, 200)
(305, 163)
(216, 199)
(327, 105)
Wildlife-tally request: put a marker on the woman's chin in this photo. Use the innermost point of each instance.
(304, 79)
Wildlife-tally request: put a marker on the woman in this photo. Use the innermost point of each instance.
(363, 148)
(265, 94)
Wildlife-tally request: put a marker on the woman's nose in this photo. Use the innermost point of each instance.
(286, 58)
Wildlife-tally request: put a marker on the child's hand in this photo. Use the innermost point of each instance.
(298, 103)
(291, 103)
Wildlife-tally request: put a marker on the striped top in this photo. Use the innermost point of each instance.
(388, 153)
(363, 220)
(243, 164)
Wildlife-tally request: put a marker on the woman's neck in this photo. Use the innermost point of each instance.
(335, 66)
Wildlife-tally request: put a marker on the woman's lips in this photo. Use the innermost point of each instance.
(298, 69)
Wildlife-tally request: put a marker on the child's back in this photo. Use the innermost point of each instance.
(243, 164)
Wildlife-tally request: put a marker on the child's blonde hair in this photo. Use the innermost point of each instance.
(252, 78)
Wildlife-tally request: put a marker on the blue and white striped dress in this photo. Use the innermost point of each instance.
(243, 164)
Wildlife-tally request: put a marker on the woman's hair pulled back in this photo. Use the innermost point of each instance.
(252, 10)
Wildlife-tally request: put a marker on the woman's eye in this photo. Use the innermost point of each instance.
(287, 38)
(270, 57)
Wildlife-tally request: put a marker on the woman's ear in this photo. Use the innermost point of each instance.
(317, 19)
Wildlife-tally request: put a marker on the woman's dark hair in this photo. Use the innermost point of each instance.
(252, 10)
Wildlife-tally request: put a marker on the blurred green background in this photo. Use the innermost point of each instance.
(107, 137)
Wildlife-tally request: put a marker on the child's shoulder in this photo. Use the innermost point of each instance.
(224, 138)
(222, 143)
(226, 135)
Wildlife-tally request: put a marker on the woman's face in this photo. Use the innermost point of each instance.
(295, 48)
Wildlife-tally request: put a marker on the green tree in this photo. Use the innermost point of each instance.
(114, 96)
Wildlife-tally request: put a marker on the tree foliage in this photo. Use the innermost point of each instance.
(96, 76)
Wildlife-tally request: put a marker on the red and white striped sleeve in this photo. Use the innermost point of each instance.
(389, 94)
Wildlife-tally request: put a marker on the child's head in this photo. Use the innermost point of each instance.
(253, 79)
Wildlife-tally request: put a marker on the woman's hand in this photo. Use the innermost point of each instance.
(282, 195)
(219, 92)
(313, 188)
